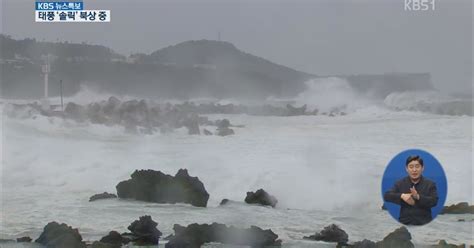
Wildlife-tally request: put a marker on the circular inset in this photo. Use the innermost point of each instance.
(414, 187)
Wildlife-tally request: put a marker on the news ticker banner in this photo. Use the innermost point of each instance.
(70, 11)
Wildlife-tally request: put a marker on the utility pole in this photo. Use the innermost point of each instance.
(46, 70)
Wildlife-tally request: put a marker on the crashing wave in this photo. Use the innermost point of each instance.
(429, 101)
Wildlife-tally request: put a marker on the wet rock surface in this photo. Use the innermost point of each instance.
(25, 239)
(331, 233)
(396, 239)
(57, 235)
(261, 197)
(443, 244)
(143, 232)
(155, 186)
(459, 208)
(113, 238)
(196, 235)
(102, 196)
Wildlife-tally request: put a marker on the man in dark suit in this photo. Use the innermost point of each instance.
(415, 194)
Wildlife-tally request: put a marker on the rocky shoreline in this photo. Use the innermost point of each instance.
(155, 186)
(459, 208)
(144, 232)
(147, 117)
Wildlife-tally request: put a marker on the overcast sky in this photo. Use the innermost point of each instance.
(320, 37)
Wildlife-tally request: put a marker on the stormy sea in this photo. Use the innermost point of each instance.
(324, 167)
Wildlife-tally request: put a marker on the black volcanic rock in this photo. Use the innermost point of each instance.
(154, 186)
(101, 196)
(24, 239)
(113, 238)
(75, 111)
(56, 235)
(331, 233)
(443, 244)
(224, 123)
(460, 208)
(196, 235)
(364, 244)
(261, 197)
(223, 127)
(143, 232)
(398, 238)
(225, 132)
(223, 202)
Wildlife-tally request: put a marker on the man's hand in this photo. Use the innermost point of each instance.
(414, 193)
(407, 198)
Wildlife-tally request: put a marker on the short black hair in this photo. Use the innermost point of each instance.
(414, 157)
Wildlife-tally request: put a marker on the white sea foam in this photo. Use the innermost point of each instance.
(331, 93)
(429, 101)
(323, 170)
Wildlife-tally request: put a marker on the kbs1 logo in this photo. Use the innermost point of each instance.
(72, 11)
(419, 5)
